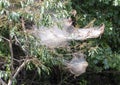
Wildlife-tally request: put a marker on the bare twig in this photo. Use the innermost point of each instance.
(23, 24)
(11, 54)
(2, 82)
(5, 38)
(17, 42)
(11, 50)
(11, 64)
(18, 70)
(18, 60)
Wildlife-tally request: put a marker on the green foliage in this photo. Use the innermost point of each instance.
(103, 51)
(18, 16)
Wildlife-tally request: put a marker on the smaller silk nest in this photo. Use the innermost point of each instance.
(77, 65)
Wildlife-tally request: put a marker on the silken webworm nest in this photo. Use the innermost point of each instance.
(77, 65)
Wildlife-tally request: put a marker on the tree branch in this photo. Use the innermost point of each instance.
(5, 38)
(18, 70)
(2, 82)
(11, 54)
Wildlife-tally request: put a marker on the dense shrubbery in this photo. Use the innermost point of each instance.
(16, 16)
(105, 12)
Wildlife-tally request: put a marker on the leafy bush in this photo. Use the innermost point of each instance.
(17, 45)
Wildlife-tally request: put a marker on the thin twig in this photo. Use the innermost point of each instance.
(2, 82)
(11, 64)
(17, 42)
(11, 50)
(11, 54)
(5, 38)
(18, 60)
(18, 70)
(23, 24)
